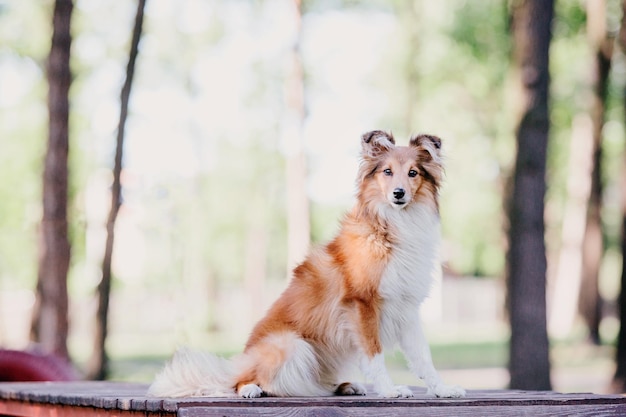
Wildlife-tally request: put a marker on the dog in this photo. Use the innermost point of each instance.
(348, 299)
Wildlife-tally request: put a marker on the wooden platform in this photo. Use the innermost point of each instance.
(71, 399)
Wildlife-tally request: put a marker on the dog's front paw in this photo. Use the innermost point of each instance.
(446, 391)
(399, 391)
(250, 391)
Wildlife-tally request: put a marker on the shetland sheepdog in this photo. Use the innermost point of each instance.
(347, 300)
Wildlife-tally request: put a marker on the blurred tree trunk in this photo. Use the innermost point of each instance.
(98, 365)
(582, 250)
(529, 364)
(49, 325)
(566, 285)
(589, 302)
(619, 379)
(298, 222)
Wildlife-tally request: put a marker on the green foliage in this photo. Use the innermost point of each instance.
(570, 19)
(20, 210)
(22, 131)
(25, 28)
(486, 354)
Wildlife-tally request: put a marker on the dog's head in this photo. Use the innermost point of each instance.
(399, 175)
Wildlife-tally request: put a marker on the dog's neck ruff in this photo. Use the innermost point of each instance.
(414, 234)
(413, 218)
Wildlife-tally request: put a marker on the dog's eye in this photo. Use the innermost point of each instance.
(412, 173)
(387, 172)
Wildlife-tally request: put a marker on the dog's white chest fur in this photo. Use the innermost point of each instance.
(408, 277)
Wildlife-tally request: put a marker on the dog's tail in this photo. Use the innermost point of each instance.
(195, 374)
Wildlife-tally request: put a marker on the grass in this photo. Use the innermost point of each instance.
(461, 356)
(135, 369)
(138, 368)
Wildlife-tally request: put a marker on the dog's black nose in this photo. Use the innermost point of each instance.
(398, 193)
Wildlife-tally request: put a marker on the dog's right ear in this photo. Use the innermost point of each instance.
(375, 143)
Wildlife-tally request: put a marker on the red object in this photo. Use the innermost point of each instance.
(17, 365)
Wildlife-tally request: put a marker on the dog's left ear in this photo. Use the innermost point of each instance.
(429, 156)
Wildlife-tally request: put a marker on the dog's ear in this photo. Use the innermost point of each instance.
(429, 143)
(376, 142)
(429, 156)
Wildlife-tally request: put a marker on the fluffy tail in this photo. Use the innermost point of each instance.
(195, 374)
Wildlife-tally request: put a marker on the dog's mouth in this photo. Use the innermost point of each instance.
(400, 202)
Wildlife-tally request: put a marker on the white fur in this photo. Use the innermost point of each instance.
(300, 373)
(194, 374)
(408, 278)
(405, 285)
(250, 391)
(374, 370)
(199, 374)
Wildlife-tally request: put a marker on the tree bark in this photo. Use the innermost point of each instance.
(589, 301)
(99, 363)
(529, 364)
(49, 325)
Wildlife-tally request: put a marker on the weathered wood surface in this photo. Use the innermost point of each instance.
(71, 399)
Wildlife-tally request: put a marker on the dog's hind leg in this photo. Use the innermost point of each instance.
(247, 385)
(282, 365)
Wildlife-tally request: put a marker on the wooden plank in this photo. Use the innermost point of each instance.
(98, 395)
(474, 398)
(487, 403)
(468, 410)
(28, 409)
